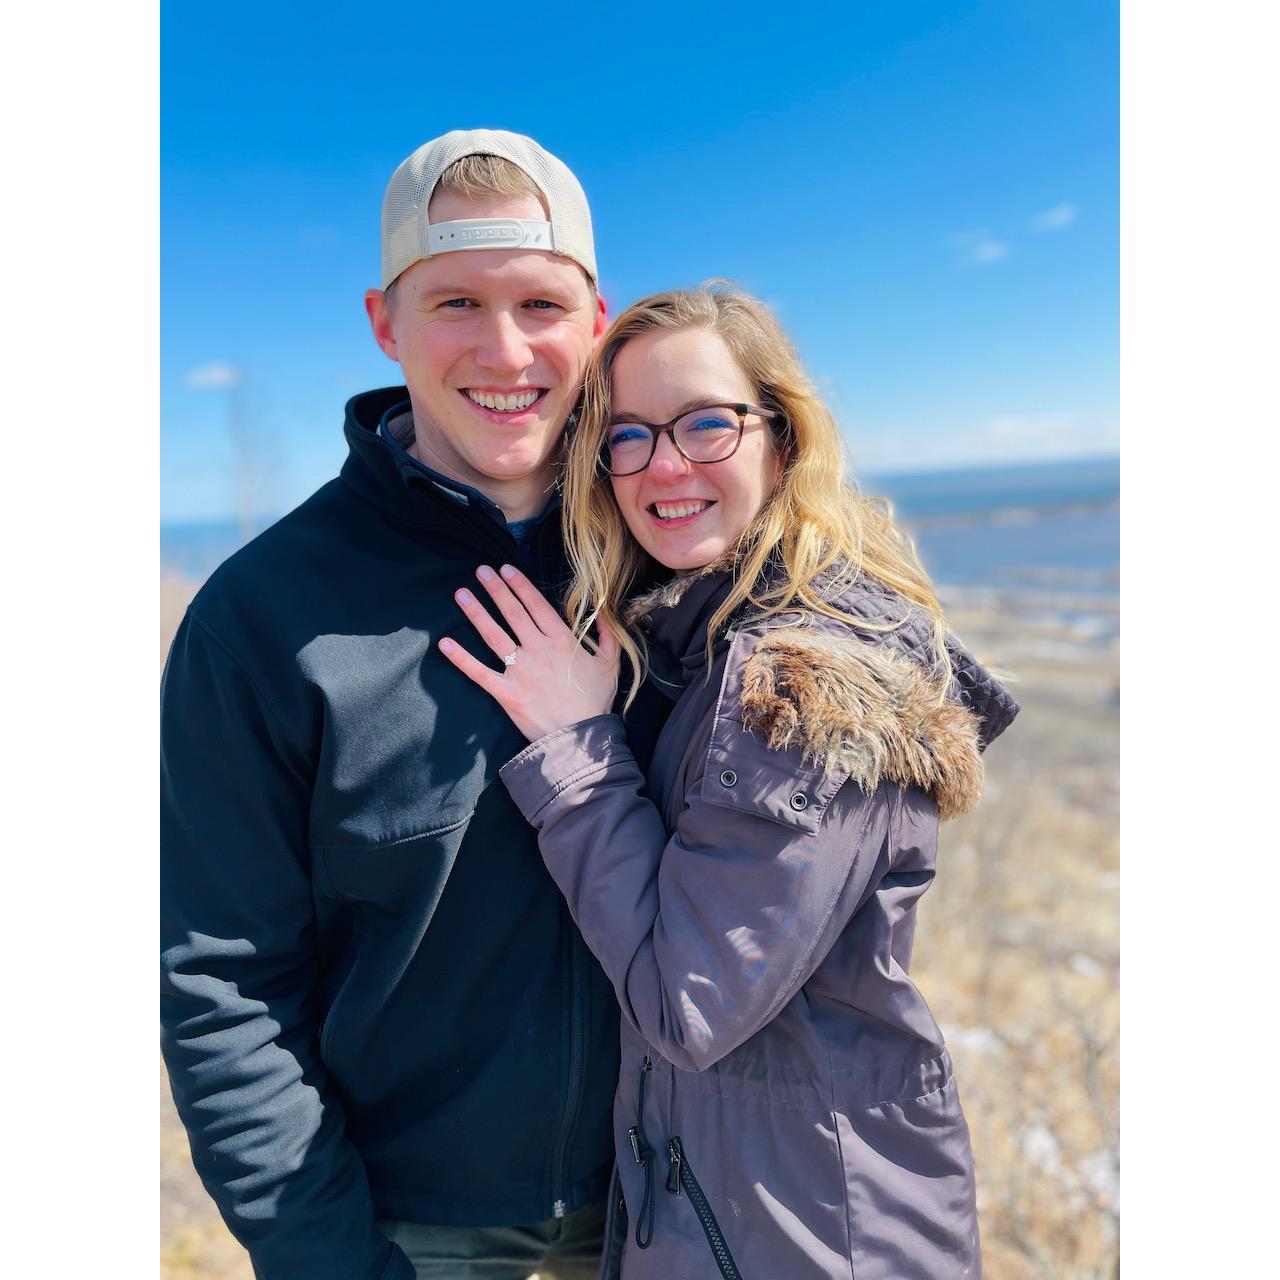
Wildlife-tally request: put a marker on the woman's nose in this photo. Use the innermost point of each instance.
(668, 463)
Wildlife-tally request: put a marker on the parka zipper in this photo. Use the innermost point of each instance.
(681, 1175)
(644, 1155)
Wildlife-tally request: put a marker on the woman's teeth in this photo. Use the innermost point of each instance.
(674, 510)
(505, 403)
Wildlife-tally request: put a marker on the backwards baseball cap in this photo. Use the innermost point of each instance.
(408, 235)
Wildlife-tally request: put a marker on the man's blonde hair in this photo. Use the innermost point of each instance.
(484, 177)
(814, 524)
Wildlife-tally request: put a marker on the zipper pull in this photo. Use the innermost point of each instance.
(677, 1159)
(633, 1137)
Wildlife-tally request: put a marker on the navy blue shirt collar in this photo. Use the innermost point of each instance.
(464, 494)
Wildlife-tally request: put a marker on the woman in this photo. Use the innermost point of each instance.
(786, 1107)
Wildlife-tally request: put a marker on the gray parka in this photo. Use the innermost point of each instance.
(786, 1107)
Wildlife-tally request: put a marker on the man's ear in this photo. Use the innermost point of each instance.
(375, 305)
(601, 321)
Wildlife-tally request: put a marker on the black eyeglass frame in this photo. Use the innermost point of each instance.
(656, 429)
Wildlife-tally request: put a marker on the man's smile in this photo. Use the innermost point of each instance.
(512, 400)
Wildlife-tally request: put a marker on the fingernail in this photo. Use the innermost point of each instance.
(508, 571)
(464, 596)
(484, 573)
(447, 645)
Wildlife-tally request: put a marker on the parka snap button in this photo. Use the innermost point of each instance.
(728, 777)
(799, 801)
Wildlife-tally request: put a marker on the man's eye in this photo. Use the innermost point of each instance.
(457, 304)
(543, 304)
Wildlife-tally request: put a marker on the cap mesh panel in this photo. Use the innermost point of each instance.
(404, 207)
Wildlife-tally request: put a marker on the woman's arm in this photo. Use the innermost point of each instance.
(706, 933)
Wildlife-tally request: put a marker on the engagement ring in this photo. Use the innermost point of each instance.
(510, 659)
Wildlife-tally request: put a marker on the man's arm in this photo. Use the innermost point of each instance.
(238, 970)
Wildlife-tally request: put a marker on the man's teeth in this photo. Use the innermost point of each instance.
(674, 510)
(520, 400)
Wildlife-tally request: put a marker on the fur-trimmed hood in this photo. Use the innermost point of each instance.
(865, 710)
(869, 702)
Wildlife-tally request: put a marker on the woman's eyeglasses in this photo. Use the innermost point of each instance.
(710, 433)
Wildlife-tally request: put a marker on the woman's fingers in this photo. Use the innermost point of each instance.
(517, 616)
(488, 679)
(492, 634)
(548, 621)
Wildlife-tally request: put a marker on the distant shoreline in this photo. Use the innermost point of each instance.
(1013, 514)
(1028, 526)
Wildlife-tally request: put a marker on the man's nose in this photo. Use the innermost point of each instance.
(503, 345)
(668, 463)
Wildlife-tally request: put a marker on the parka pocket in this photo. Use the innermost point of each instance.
(910, 1187)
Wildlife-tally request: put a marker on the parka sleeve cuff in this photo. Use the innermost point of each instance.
(557, 762)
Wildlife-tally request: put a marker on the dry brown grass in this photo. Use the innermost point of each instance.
(1017, 951)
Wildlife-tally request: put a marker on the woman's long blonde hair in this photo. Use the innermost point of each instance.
(815, 523)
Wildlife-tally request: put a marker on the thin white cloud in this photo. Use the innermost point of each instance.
(989, 251)
(991, 440)
(1055, 219)
(979, 246)
(1047, 433)
(217, 374)
(1031, 429)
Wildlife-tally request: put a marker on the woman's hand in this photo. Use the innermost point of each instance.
(550, 680)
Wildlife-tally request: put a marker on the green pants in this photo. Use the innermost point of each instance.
(565, 1248)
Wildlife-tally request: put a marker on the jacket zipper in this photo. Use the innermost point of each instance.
(577, 1054)
(681, 1175)
(644, 1156)
(534, 559)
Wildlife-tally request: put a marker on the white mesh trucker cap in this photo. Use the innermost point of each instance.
(407, 235)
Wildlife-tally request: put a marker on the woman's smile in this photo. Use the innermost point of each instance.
(679, 513)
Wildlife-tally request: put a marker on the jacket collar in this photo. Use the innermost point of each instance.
(382, 471)
(674, 616)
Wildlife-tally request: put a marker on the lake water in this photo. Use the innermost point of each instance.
(1049, 526)
(1042, 528)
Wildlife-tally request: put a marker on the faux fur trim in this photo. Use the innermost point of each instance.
(866, 708)
(666, 595)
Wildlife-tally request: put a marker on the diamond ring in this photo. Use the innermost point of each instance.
(510, 658)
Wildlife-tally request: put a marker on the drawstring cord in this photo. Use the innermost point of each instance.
(644, 1155)
(678, 1175)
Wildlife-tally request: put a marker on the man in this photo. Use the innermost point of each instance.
(384, 1035)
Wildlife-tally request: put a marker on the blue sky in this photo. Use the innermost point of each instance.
(927, 193)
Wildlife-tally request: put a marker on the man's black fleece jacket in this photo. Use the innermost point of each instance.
(374, 1002)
